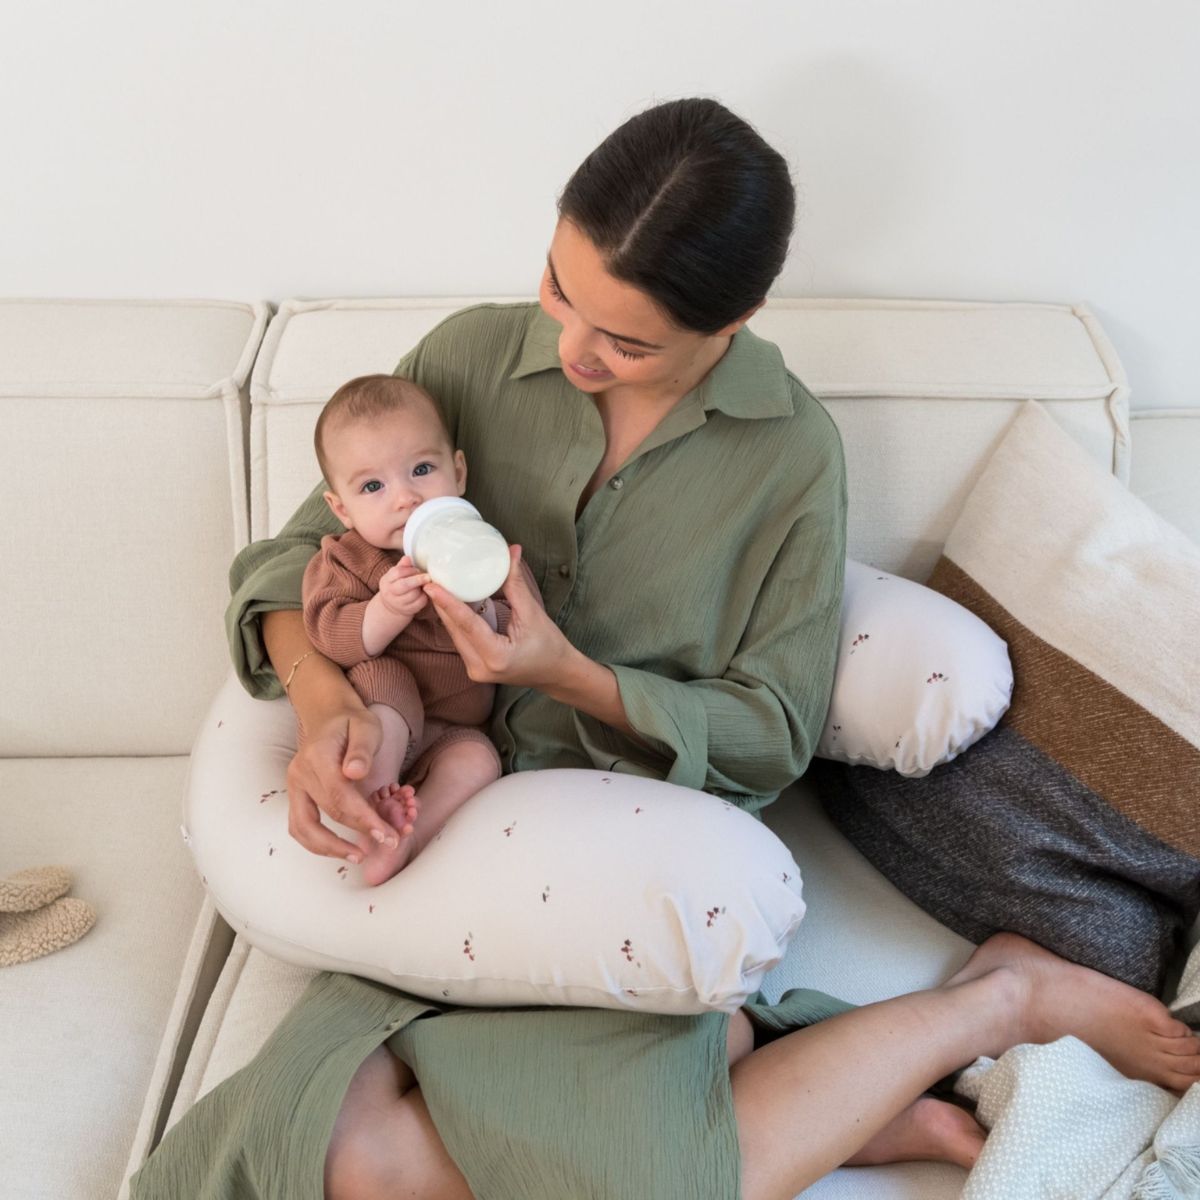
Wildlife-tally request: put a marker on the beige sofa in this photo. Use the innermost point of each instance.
(146, 441)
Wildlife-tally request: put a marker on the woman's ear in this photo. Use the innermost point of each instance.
(338, 509)
(460, 471)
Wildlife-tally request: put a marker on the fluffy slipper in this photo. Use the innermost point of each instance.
(35, 888)
(28, 935)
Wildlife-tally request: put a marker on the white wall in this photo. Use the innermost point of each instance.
(989, 149)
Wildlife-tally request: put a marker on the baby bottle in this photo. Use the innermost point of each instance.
(447, 539)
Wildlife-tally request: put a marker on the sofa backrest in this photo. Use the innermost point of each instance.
(125, 493)
(922, 392)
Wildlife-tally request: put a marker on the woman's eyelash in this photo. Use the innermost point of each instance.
(556, 292)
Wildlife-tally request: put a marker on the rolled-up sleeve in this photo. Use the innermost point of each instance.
(751, 732)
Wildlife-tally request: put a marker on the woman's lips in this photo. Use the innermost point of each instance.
(587, 373)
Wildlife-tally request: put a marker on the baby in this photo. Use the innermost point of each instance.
(384, 448)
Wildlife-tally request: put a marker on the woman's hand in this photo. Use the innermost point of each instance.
(337, 751)
(341, 738)
(532, 652)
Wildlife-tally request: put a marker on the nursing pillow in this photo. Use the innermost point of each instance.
(561, 887)
(919, 679)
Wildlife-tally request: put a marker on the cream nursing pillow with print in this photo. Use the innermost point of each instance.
(548, 887)
(919, 677)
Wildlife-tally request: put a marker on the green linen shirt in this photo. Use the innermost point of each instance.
(706, 573)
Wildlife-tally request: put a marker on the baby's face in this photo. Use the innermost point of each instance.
(383, 468)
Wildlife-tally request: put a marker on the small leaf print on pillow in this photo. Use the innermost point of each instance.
(469, 946)
(712, 914)
(936, 677)
(858, 641)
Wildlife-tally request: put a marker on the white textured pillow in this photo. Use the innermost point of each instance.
(548, 887)
(919, 678)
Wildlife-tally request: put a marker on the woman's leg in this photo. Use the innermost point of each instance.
(928, 1130)
(384, 1144)
(824, 1095)
(815, 1098)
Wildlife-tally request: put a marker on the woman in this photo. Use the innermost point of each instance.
(680, 499)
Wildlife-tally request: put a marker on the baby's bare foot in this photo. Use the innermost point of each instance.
(397, 804)
(928, 1130)
(1131, 1029)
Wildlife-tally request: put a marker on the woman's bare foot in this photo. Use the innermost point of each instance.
(1131, 1029)
(397, 804)
(928, 1130)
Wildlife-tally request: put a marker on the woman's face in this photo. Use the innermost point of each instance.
(613, 334)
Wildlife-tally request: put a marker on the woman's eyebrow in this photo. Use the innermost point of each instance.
(619, 337)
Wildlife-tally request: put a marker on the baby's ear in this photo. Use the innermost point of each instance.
(460, 471)
(338, 509)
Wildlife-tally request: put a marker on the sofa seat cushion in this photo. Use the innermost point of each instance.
(79, 1029)
(862, 940)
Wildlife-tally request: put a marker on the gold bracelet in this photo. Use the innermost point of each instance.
(292, 672)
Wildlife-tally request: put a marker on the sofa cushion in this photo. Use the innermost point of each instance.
(918, 680)
(921, 390)
(1166, 465)
(79, 1029)
(1075, 822)
(125, 484)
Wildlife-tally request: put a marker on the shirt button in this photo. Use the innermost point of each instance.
(565, 570)
(616, 483)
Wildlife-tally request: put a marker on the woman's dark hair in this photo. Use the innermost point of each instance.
(687, 202)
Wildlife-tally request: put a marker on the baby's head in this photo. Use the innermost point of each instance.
(384, 448)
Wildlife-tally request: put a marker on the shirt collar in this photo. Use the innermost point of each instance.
(749, 382)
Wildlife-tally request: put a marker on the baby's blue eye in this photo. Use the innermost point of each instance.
(423, 468)
(372, 485)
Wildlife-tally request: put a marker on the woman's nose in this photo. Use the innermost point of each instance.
(574, 343)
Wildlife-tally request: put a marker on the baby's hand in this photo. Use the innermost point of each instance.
(400, 589)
